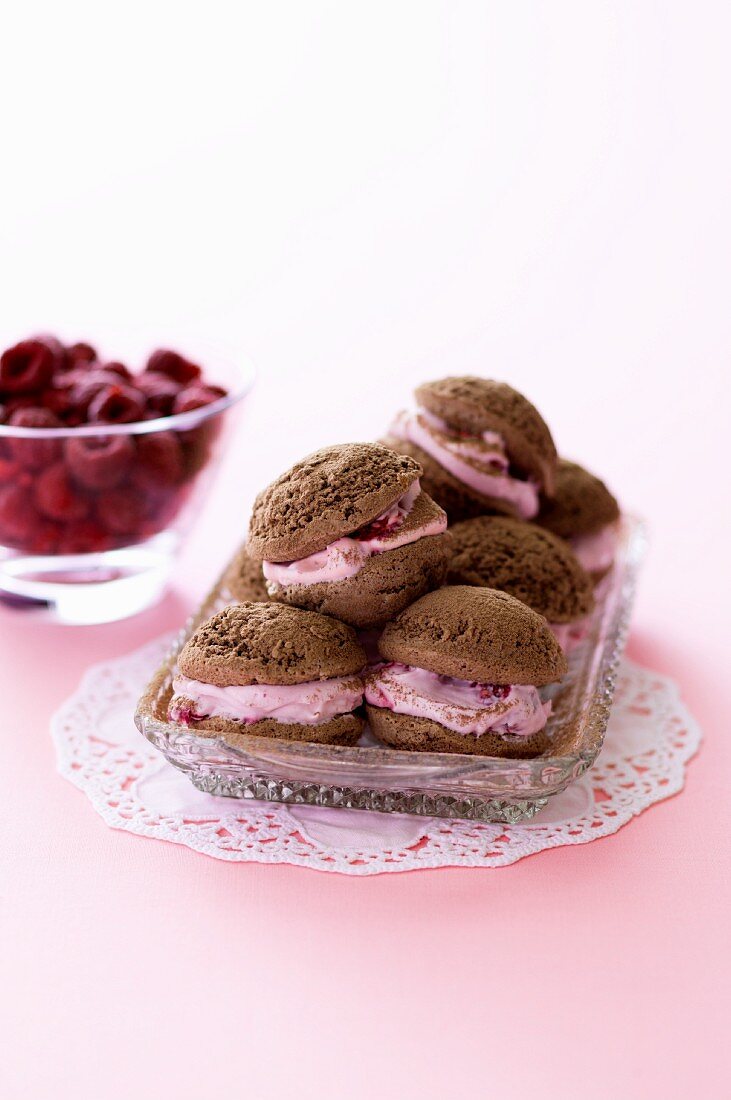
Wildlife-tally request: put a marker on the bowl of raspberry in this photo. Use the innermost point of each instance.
(102, 469)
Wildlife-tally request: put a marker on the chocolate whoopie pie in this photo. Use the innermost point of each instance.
(349, 532)
(271, 671)
(244, 581)
(529, 563)
(483, 447)
(462, 673)
(586, 514)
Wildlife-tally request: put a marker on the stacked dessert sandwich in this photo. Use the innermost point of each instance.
(352, 599)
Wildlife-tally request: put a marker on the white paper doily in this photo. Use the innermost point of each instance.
(650, 739)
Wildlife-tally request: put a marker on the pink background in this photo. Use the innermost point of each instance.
(359, 201)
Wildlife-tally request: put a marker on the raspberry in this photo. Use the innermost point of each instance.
(23, 401)
(59, 399)
(34, 454)
(121, 511)
(495, 691)
(159, 390)
(56, 348)
(173, 365)
(82, 386)
(44, 537)
(9, 469)
(197, 448)
(164, 511)
(26, 368)
(55, 496)
(86, 536)
(159, 461)
(73, 391)
(197, 397)
(379, 527)
(99, 461)
(80, 355)
(116, 405)
(16, 516)
(119, 369)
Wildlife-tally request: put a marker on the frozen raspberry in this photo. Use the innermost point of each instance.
(59, 400)
(80, 355)
(159, 461)
(55, 347)
(196, 446)
(122, 510)
(119, 369)
(44, 537)
(26, 368)
(85, 536)
(159, 390)
(99, 461)
(23, 401)
(173, 365)
(34, 454)
(164, 510)
(9, 469)
(197, 397)
(81, 386)
(17, 517)
(56, 497)
(116, 405)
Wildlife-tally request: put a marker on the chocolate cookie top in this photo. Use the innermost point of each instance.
(327, 495)
(477, 405)
(582, 504)
(475, 634)
(269, 643)
(523, 560)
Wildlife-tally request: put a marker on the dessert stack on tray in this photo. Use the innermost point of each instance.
(432, 584)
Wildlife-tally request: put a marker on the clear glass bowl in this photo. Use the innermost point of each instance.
(373, 777)
(91, 517)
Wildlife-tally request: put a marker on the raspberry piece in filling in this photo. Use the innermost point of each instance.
(466, 707)
(346, 556)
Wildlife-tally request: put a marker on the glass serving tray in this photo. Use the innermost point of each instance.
(371, 776)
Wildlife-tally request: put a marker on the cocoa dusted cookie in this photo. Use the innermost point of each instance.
(267, 670)
(483, 447)
(463, 670)
(585, 513)
(243, 580)
(529, 563)
(349, 532)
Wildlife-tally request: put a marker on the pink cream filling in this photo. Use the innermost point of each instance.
(480, 462)
(346, 556)
(596, 552)
(511, 710)
(309, 704)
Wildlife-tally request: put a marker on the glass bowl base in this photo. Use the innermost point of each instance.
(87, 589)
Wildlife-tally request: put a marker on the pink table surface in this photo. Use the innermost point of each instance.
(131, 966)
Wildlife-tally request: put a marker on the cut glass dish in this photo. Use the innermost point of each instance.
(371, 776)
